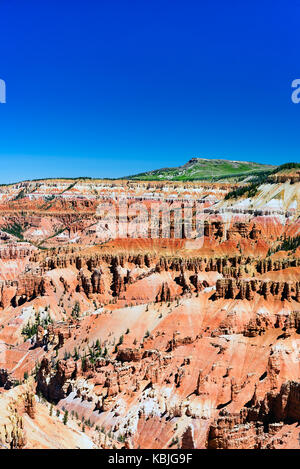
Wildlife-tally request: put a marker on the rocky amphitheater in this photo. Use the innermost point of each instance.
(178, 341)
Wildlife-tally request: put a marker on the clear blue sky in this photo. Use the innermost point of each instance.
(106, 88)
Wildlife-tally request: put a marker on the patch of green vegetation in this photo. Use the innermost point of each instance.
(249, 190)
(288, 244)
(58, 232)
(61, 179)
(20, 195)
(76, 310)
(205, 170)
(65, 419)
(96, 352)
(285, 166)
(69, 187)
(31, 328)
(15, 229)
(49, 198)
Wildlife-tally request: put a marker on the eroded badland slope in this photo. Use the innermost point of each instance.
(150, 342)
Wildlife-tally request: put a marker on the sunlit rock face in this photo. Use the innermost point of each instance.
(187, 341)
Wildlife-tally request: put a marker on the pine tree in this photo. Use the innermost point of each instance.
(65, 419)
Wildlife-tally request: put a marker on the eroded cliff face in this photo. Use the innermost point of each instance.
(261, 424)
(29, 422)
(149, 342)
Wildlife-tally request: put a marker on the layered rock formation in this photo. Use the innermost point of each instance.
(149, 342)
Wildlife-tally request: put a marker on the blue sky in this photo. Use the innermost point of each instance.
(111, 88)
